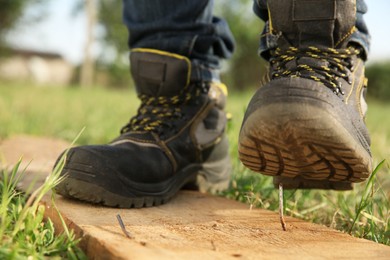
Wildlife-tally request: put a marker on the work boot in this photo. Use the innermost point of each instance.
(177, 138)
(305, 126)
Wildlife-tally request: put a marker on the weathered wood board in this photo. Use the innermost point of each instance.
(37, 155)
(198, 226)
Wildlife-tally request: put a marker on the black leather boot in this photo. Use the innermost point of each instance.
(176, 138)
(306, 125)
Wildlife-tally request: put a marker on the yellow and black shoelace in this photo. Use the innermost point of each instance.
(338, 64)
(156, 112)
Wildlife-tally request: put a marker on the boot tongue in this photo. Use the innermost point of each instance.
(303, 23)
(157, 73)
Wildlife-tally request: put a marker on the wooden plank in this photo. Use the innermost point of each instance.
(37, 155)
(195, 225)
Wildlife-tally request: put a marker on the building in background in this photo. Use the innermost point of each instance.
(37, 67)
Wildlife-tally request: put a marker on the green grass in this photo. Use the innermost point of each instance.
(363, 212)
(62, 113)
(23, 232)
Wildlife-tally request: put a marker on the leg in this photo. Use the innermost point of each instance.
(184, 27)
(360, 36)
(177, 138)
(306, 125)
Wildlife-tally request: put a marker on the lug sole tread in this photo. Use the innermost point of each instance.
(305, 156)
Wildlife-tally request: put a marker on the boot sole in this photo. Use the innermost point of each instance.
(304, 146)
(141, 195)
(92, 193)
(138, 195)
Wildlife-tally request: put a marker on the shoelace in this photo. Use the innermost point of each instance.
(338, 65)
(156, 112)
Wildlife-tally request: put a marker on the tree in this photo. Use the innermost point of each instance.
(114, 60)
(114, 31)
(88, 66)
(378, 75)
(11, 13)
(245, 68)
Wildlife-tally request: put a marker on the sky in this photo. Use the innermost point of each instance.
(64, 33)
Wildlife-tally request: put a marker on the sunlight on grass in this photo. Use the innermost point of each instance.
(363, 212)
(24, 233)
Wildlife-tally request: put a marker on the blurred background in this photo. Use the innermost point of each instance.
(64, 67)
(83, 43)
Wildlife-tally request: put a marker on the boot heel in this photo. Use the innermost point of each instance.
(215, 174)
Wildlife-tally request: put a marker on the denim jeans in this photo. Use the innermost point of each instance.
(188, 28)
(185, 27)
(268, 41)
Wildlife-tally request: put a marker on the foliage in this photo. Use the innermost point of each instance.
(12, 12)
(24, 234)
(245, 69)
(110, 19)
(114, 61)
(378, 75)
